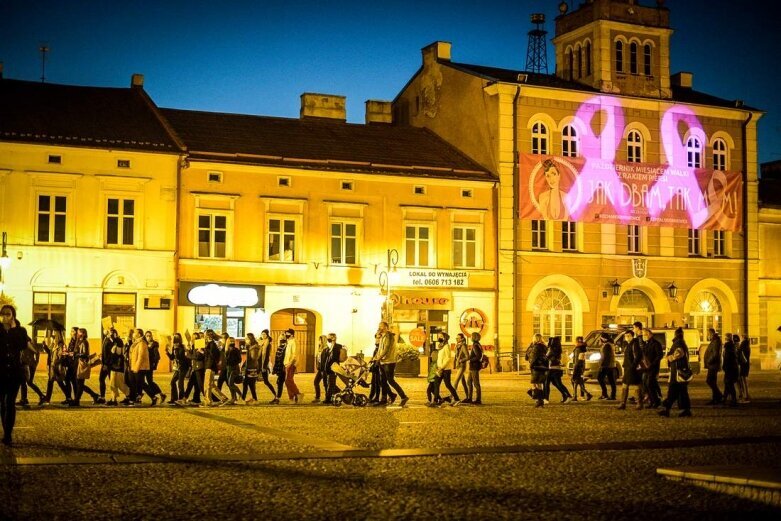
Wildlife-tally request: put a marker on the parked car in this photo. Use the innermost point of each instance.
(616, 332)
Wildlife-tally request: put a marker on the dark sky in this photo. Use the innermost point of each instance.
(257, 57)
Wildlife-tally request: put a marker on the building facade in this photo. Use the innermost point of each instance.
(87, 205)
(769, 255)
(624, 193)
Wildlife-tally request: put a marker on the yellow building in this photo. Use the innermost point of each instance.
(87, 205)
(769, 257)
(647, 208)
(309, 223)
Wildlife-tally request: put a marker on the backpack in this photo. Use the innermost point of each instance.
(484, 362)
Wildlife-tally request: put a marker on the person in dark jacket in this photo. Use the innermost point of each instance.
(538, 364)
(375, 390)
(180, 366)
(266, 360)
(116, 361)
(744, 364)
(30, 359)
(555, 370)
(197, 360)
(677, 391)
(151, 387)
(233, 364)
(13, 340)
(83, 366)
(212, 363)
(633, 355)
(54, 347)
(731, 371)
(475, 364)
(607, 370)
(279, 369)
(578, 368)
(712, 362)
(653, 352)
(321, 358)
(336, 354)
(109, 341)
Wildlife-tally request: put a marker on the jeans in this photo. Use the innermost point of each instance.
(712, 379)
(730, 393)
(677, 392)
(461, 378)
(231, 373)
(376, 384)
(196, 383)
(320, 377)
(554, 378)
(150, 387)
(177, 384)
(280, 384)
(473, 383)
(264, 375)
(432, 391)
(104, 373)
(81, 386)
(211, 388)
(9, 388)
(446, 379)
(28, 373)
(610, 374)
(390, 381)
(249, 384)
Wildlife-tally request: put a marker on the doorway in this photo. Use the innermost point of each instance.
(303, 322)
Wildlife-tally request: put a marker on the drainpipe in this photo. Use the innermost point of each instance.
(180, 164)
(745, 223)
(516, 223)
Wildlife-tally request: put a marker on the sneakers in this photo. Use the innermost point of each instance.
(392, 399)
(316, 400)
(275, 401)
(162, 398)
(403, 401)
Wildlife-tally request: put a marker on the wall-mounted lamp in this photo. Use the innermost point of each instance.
(616, 287)
(672, 290)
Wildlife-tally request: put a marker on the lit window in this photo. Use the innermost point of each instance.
(719, 243)
(464, 247)
(633, 58)
(705, 313)
(212, 235)
(120, 221)
(282, 240)
(693, 153)
(553, 315)
(343, 242)
(647, 59)
(694, 242)
(634, 239)
(52, 214)
(569, 141)
(719, 155)
(539, 238)
(619, 56)
(539, 138)
(568, 236)
(418, 242)
(634, 147)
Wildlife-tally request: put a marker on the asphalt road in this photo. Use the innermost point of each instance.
(503, 460)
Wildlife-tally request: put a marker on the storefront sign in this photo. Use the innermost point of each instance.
(228, 295)
(426, 278)
(422, 300)
(473, 320)
(417, 337)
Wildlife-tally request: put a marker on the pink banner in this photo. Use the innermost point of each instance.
(575, 189)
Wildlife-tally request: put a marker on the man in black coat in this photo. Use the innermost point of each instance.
(335, 356)
(712, 362)
(652, 354)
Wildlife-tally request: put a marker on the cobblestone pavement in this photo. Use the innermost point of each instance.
(503, 460)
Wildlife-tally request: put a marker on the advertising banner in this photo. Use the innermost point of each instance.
(597, 191)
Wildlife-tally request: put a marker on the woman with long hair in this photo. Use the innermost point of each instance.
(265, 362)
(251, 370)
(54, 346)
(13, 341)
(677, 388)
(83, 369)
(321, 353)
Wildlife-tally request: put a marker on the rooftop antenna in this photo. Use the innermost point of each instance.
(44, 49)
(536, 53)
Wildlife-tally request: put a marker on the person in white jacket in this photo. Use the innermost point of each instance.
(291, 360)
(445, 367)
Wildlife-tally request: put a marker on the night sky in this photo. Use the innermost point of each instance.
(257, 57)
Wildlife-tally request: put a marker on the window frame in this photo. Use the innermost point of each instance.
(634, 244)
(540, 135)
(633, 58)
(694, 242)
(618, 56)
(647, 59)
(569, 236)
(634, 147)
(298, 231)
(720, 155)
(693, 152)
(478, 245)
(719, 237)
(212, 213)
(570, 141)
(539, 228)
(432, 250)
(344, 221)
(121, 198)
(52, 213)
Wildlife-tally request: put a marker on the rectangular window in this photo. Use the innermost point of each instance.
(52, 212)
(212, 235)
(719, 243)
(120, 221)
(282, 240)
(121, 307)
(347, 186)
(568, 236)
(419, 190)
(55, 159)
(49, 306)
(214, 177)
(539, 238)
(464, 247)
(694, 242)
(634, 244)
(123, 163)
(343, 243)
(418, 245)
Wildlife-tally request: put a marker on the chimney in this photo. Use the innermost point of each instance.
(436, 51)
(682, 79)
(378, 112)
(327, 106)
(137, 81)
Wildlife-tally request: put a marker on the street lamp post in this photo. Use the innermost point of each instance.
(4, 263)
(385, 285)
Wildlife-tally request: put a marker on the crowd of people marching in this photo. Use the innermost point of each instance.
(208, 362)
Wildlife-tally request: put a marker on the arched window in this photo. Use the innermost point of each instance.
(569, 63)
(578, 62)
(619, 56)
(553, 315)
(719, 155)
(634, 147)
(705, 313)
(634, 305)
(693, 153)
(633, 58)
(588, 58)
(647, 59)
(539, 138)
(569, 141)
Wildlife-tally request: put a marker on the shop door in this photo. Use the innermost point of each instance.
(303, 323)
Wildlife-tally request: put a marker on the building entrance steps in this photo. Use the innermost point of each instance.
(762, 484)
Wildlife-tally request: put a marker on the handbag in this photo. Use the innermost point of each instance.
(83, 370)
(684, 375)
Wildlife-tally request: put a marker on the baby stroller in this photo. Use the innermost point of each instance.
(354, 372)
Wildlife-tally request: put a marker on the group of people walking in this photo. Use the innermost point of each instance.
(733, 357)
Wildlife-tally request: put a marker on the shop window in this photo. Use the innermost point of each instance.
(539, 138)
(52, 213)
(48, 306)
(419, 245)
(344, 242)
(120, 222)
(212, 235)
(539, 235)
(465, 247)
(282, 240)
(553, 315)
